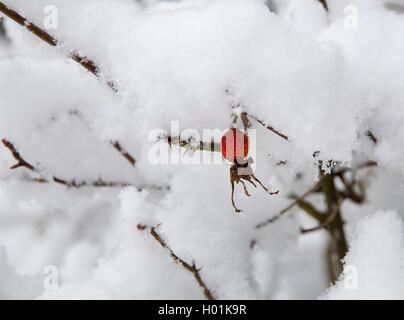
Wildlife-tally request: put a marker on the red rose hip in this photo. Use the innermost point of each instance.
(234, 145)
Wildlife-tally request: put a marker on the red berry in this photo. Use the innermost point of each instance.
(234, 145)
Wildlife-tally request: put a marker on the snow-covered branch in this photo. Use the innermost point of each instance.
(123, 152)
(46, 37)
(190, 145)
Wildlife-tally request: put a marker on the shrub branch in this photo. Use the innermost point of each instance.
(123, 152)
(325, 5)
(68, 183)
(84, 61)
(191, 268)
(49, 39)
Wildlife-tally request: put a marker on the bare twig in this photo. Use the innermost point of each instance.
(290, 206)
(336, 226)
(350, 192)
(311, 210)
(245, 120)
(340, 172)
(371, 136)
(123, 152)
(396, 7)
(325, 5)
(87, 63)
(72, 183)
(191, 268)
(84, 61)
(283, 136)
(20, 161)
(3, 35)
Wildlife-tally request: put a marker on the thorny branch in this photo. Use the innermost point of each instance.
(191, 268)
(72, 183)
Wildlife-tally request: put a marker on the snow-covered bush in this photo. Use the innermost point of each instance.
(85, 83)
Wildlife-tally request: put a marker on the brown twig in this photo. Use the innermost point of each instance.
(247, 124)
(245, 120)
(84, 61)
(290, 206)
(123, 152)
(280, 134)
(98, 183)
(368, 164)
(329, 219)
(20, 161)
(371, 136)
(315, 187)
(188, 144)
(191, 268)
(325, 5)
(49, 39)
(70, 184)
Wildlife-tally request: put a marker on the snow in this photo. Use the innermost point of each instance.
(297, 68)
(376, 255)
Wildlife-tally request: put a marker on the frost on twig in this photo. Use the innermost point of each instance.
(191, 268)
(68, 183)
